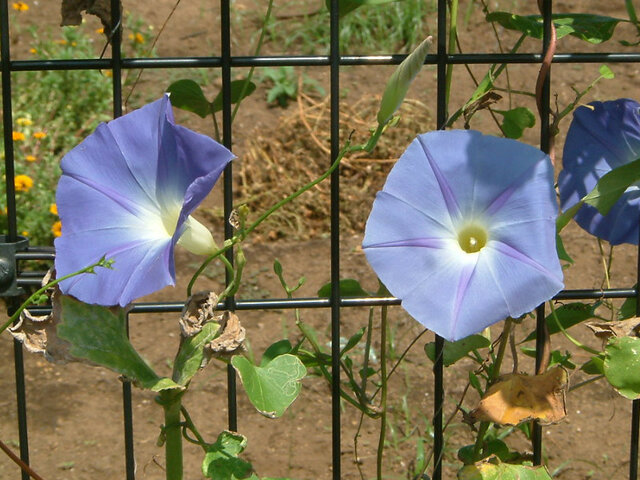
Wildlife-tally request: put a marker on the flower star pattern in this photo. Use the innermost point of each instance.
(127, 192)
(602, 137)
(463, 231)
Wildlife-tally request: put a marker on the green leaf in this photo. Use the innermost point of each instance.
(622, 364)
(567, 315)
(612, 185)
(221, 461)
(237, 94)
(348, 288)
(516, 120)
(475, 383)
(562, 253)
(275, 350)
(190, 357)
(595, 366)
(187, 95)
(400, 80)
(353, 341)
(606, 72)
(502, 471)
(271, 388)
(454, 351)
(628, 308)
(590, 28)
(98, 335)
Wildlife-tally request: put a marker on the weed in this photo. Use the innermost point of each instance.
(285, 85)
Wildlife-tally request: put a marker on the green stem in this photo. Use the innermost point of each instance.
(171, 402)
(190, 425)
(453, 32)
(90, 269)
(383, 391)
(493, 376)
(263, 32)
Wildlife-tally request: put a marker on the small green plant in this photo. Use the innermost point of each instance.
(285, 83)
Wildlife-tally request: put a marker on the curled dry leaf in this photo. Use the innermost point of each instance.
(621, 328)
(231, 340)
(71, 12)
(38, 333)
(199, 309)
(518, 398)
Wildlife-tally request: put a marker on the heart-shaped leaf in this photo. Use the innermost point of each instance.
(221, 461)
(274, 386)
(622, 364)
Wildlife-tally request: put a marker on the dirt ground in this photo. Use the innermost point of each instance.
(75, 412)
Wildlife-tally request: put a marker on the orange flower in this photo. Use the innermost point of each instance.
(30, 158)
(18, 136)
(23, 183)
(39, 135)
(100, 30)
(33, 50)
(56, 229)
(20, 6)
(53, 208)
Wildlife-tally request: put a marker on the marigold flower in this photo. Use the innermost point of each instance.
(23, 183)
(18, 136)
(463, 231)
(20, 6)
(136, 37)
(30, 158)
(127, 193)
(39, 135)
(53, 209)
(56, 229)
(24, 233)
(33, 50)
(602, 136)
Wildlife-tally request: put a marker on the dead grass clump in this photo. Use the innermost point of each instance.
(279, 161)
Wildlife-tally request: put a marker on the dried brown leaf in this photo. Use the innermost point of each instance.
(71, 12)
(231, 340)
(518, 398)
(199, 309)
(621, 328)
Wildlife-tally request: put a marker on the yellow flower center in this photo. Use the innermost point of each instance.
(472, 238)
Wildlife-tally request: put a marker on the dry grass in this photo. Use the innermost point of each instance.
(297, 150)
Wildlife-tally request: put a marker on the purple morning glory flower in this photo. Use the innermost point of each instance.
(127, 192)
(463, 231)
(602, 137)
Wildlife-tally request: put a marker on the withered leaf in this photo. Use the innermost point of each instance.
(518, 398)
(71, 12)
(231, 340)
(621, 328)
(38, 333)
(485, 101)
(199, 309)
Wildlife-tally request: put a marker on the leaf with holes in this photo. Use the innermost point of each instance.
(271, 388)
(622, 364)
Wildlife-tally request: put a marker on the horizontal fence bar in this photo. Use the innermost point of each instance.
(291, 303)
(314, 61)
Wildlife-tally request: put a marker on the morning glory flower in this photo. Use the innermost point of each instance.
(463, 231)
(602, 137)
(127, 193)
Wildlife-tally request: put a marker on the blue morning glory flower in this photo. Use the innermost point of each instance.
(127, 193)
(602, 137)
(463, 231)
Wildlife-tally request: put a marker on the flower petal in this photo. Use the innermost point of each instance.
(602, 136)
(450, 187)
(126, 193)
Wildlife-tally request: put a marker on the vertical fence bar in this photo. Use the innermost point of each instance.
(334, 62)
(438, 365)
(12, 234)
(545, 144)
(225, 44)
(115, 39)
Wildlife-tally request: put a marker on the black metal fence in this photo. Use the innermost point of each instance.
(14, 246)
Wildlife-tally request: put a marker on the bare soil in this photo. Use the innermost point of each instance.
(75, 412)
